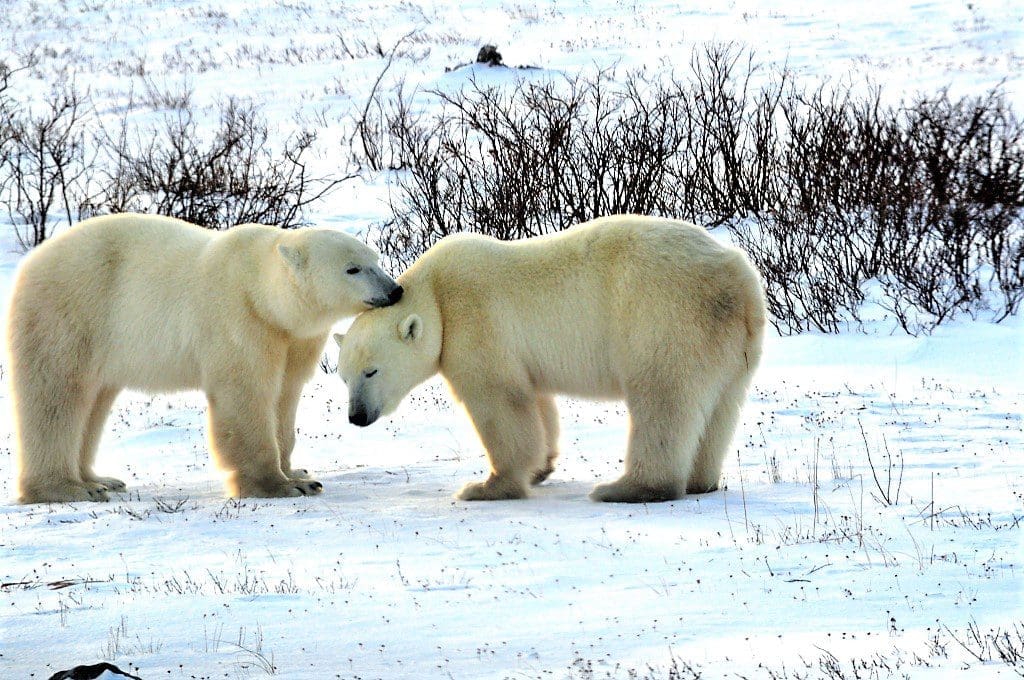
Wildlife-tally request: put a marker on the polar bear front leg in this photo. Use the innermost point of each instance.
(303, 358)
(244, 443)
(509, 424)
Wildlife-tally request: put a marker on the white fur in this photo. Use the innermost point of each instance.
(648, 310)
(156, 304)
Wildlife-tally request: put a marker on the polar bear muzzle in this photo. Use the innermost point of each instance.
(361, 418)
(359, 415)
(385, 299)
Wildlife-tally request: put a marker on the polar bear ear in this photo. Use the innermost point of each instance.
(411, 328)
(338, 338)
(295, 257)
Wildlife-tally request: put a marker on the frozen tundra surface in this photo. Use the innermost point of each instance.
(870, 522)
(866, 512)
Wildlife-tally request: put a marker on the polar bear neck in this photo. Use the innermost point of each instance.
(279, 301)
(292, 313)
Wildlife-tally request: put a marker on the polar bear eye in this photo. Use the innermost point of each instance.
(370, 374)
(352, 270)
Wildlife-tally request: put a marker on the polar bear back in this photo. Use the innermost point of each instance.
(586, 310)
(123, 293)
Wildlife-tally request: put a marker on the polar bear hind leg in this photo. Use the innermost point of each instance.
(52, 416)
(91, 440)
(664, 433)
(714, 443)
(549, 420)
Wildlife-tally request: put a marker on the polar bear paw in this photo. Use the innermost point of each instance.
(63, 491)
(108, 483)
(626, 490)
(541, 475)
(308, 487)
(94, 492)
(278, 488)
(494, 489)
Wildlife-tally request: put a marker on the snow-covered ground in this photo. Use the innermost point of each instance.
(871, 524)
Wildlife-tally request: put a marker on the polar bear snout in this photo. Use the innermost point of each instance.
(361, 409)
(386, 299)
(360, 417)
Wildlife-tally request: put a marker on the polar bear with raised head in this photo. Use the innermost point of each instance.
(156, 304)
(652, 311)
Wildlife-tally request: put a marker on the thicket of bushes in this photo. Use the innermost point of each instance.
(832, 190)
(828, 188)
(60, 163)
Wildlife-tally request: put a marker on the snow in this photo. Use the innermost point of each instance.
(873, 504)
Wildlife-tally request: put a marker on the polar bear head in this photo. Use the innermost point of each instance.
(384, 355)
(336, 271)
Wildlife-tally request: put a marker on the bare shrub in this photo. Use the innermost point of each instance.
(541, 155)
(966, 161)
(231, 179)
(925, 198)
(811, 237)
(828, 189)
(171, 96)
(727, 167)
(7, 108)
(993, 645)
(57, 165)
(531, 159)
(45, 164)
(7, 113)
(369, 141)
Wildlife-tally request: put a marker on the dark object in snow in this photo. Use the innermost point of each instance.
(489, 55)
(90, 672)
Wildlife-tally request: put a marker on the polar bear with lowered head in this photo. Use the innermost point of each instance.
(156, 304)
(648, 310)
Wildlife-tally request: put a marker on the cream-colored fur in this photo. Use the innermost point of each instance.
(652, 311)
(156, 304)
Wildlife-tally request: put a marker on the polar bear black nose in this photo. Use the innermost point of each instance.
(359, 418)
(396, 294)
